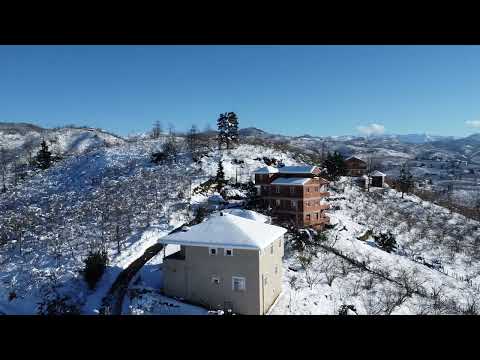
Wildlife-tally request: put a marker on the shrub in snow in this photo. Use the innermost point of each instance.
(44, 157)
(386, 241)
(158, 157)
(55, 303)
(95, 265)
(346, 309)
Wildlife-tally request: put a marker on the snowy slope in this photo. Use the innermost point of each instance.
(448, 289)
(62, 141)
(65, 203)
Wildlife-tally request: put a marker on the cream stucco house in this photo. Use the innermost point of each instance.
(226, 262)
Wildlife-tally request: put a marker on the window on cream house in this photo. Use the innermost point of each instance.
(238, 283)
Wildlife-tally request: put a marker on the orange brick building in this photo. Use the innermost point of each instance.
(295, 194)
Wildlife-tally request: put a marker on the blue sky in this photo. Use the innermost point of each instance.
(319, 90)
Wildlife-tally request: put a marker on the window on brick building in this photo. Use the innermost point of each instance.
(277, 202)
(307, 217)
(292, 189)
(277, 189)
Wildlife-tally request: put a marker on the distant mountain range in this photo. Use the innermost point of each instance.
(75, 140)
(408, 138)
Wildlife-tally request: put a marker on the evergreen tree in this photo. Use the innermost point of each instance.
(44, 157)
(227, 125)
(405, 180)
(335, 165)
(232, 123)
(386, 242)
(222, 126)
(220, 177)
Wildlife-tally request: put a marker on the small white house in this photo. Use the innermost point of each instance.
(226, 262)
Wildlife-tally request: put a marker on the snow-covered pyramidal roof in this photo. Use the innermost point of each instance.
(227, 231)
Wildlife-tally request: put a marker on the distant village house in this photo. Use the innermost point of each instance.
(355, 166)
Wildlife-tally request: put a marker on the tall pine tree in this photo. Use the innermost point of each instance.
(405, 180)
(222, 126)
(232, 122)
(227, 125)
(44, 156)
(220, 177)
(335, 165)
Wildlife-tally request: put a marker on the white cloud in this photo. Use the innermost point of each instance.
(473, 124)
(371, 129)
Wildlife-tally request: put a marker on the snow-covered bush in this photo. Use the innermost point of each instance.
(95, 265)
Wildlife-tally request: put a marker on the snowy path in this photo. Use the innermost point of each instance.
(147, 239)
(112, 304)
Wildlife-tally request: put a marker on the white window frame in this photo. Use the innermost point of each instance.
(277, 189)
(277, 203)
(241, 278)
(210, 251)
(225, 252)
(293, 203)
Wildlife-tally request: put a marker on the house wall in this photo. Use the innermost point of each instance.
(355, 167)
(191, 278)
(271, 271)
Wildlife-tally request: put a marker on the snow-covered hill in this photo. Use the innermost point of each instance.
(435, 268)
(21, 138)
(51, 220)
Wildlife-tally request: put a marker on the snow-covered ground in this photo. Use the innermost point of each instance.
(63, 212)
(378, 283)
(51, 220)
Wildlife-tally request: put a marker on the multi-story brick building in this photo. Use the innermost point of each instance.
(294, 193)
